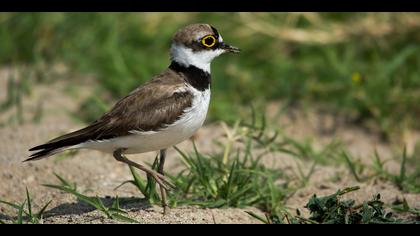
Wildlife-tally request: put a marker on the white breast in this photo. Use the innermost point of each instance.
(140, 142)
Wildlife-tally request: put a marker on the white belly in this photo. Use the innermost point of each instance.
(140, 142)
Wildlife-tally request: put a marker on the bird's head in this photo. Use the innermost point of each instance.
(198, 45)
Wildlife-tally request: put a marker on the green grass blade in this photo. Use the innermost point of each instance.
(124, 183)
(116, 203)
(28, 199)
(265, 221)
(89, 200)
(64, 182)
(184, 157)
(40, 213)
(138, 181)
(402, 176)
(20, 213)
(348, 190)
(15, 206)
(122, 218)
(230, 179)
(116, 207)
(351, 166)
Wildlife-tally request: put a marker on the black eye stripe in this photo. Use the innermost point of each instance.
(216, 33)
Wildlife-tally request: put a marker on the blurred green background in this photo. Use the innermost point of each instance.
(363, 65)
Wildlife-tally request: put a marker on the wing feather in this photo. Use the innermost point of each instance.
(150, 107)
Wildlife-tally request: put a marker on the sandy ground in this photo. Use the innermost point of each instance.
(99, 173)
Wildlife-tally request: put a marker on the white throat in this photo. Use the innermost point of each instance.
(200, 59)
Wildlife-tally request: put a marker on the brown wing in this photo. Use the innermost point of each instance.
(151, 107)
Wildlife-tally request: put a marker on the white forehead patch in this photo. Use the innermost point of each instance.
(220, 39)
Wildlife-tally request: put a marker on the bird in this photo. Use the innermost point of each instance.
(162, 112)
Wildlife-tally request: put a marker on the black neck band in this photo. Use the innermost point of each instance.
(195, 76)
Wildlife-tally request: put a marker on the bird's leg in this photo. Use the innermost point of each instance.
(159, 178)
(162, 157)
(161, 161)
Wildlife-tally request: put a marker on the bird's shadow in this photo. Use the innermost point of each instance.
(79, 207)
(4, 217)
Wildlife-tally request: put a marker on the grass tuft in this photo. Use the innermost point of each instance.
(232, 176)
(24, 211)
(112, 212)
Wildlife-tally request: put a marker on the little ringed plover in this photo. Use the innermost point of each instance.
(163, 112)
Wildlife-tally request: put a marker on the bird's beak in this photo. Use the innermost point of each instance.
(229, 48)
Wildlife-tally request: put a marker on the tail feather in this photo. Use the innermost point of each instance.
(69, 139)
(59, 144)
(44, 153)
(42, 147)
(49, 149)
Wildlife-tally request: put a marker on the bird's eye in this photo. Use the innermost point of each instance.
(208, 41)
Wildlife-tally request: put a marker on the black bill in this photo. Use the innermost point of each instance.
(229, 48)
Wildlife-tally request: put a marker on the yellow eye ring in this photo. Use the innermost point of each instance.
(207, 44)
